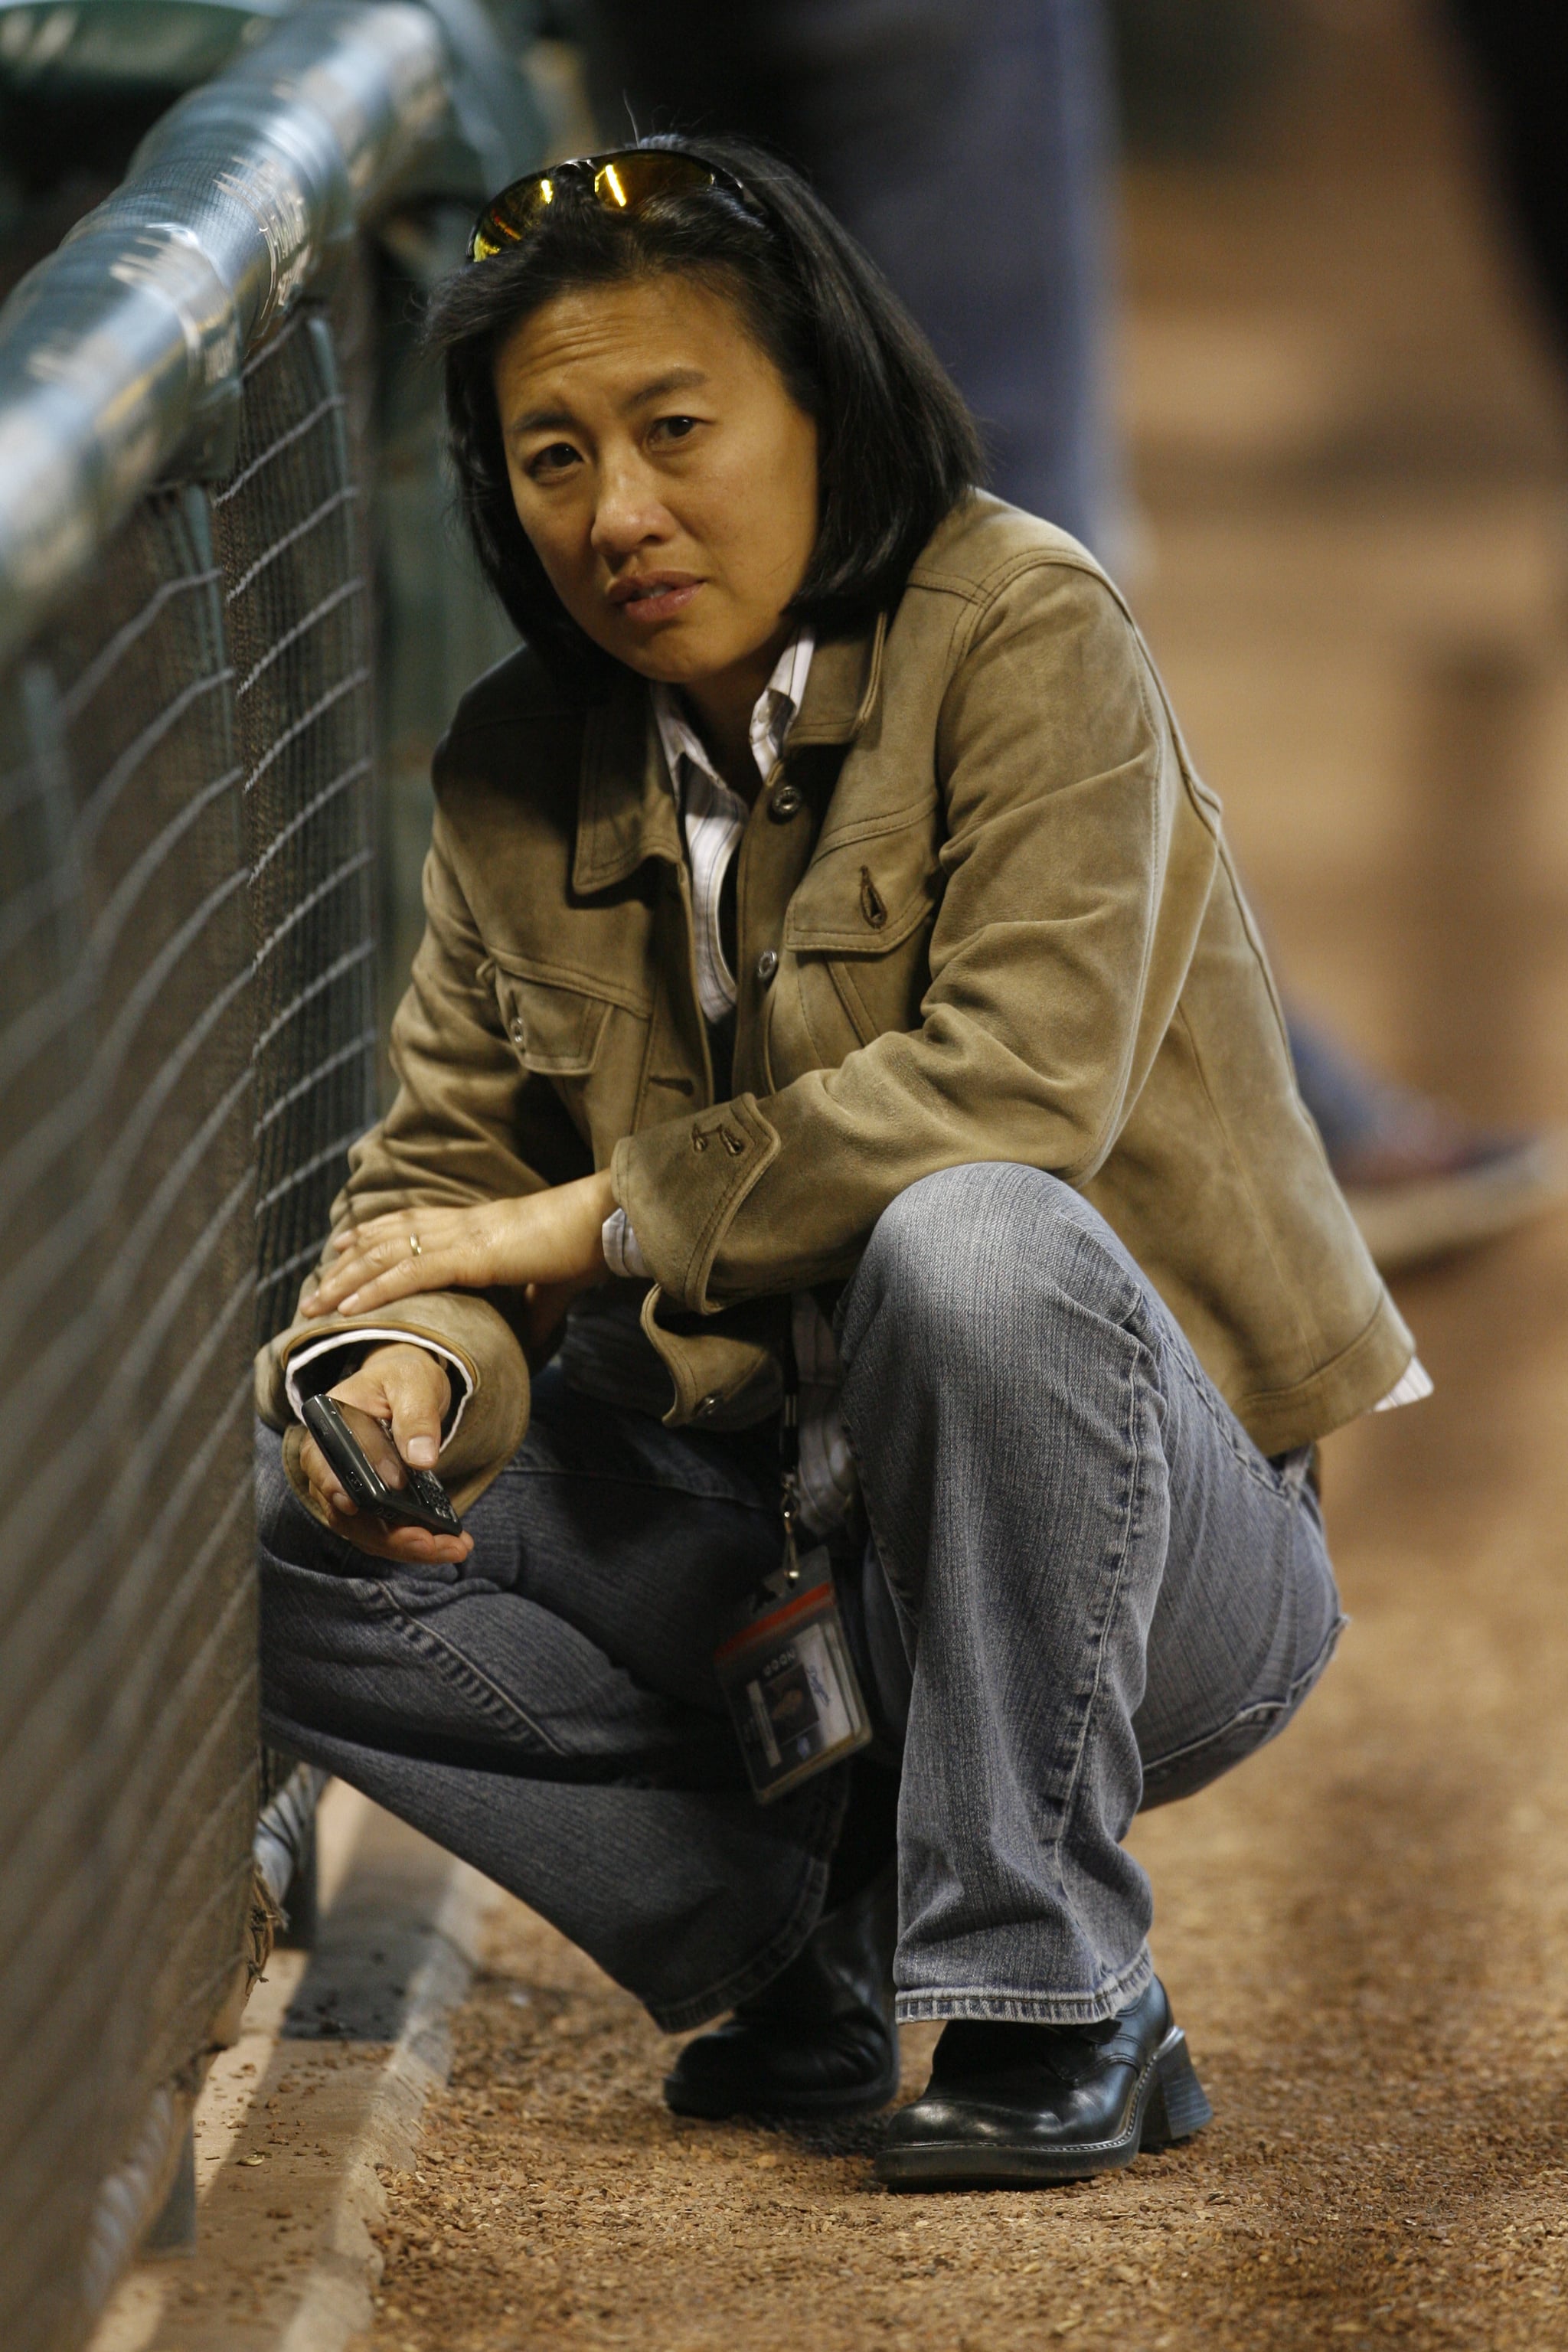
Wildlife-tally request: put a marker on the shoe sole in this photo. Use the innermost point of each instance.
(1170, 2106)
(683, 2099)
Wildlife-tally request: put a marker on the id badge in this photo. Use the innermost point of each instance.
(790, 1683)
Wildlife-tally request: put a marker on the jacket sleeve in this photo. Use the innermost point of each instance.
(1055, 965)
(468, 1124)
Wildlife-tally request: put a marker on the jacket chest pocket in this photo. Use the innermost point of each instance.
(855, 942)
(556, 1031)
(589, 1046)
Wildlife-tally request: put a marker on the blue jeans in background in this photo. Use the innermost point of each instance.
(965, 145)
(1083, 1590)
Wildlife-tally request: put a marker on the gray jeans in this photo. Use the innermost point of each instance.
(1084, 1590)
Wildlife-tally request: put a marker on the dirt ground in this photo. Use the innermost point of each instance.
(1350, 455)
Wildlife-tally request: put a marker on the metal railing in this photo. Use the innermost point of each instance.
(186, 1042)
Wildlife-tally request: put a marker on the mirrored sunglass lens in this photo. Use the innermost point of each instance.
(623, 183)
(514, 210)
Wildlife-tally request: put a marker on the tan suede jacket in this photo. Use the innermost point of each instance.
(986, 912)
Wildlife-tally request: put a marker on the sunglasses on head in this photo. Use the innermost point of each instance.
(622, 182)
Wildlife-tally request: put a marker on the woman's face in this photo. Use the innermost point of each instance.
(663, 473)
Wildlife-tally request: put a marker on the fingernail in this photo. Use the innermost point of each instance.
(423, 1450)
(340, 1502)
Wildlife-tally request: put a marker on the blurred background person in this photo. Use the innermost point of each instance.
(968, 145)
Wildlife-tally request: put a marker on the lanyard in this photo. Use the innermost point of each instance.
(789, 1461)
(788, 1675)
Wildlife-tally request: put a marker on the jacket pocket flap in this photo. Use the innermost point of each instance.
(866, 897)
(556, 1030)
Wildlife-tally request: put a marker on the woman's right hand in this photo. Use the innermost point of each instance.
(406, 1386)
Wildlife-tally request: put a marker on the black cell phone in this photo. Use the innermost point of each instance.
(423, 1503)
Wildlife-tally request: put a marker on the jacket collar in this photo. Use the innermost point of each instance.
(625, 804)
(843, 687)
(626, 808)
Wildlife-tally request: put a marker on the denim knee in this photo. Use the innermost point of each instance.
(964, 1256)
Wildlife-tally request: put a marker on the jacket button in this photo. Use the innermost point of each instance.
(767, 964)
(708, 1404)
(517, 1033)
(785, 803)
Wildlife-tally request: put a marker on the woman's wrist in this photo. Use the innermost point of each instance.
(597, 1202)
(555, 1236)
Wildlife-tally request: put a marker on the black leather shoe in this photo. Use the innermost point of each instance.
(820, 2040)
(1010, 2105)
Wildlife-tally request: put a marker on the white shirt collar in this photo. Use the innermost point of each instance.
(772, 715)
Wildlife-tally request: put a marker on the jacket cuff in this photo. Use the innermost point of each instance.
(681, 1184)
(453, 1322)
(322, 1353)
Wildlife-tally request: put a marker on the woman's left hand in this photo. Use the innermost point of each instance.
(548, 1244)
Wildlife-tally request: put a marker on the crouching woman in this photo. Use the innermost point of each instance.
(836, 1004)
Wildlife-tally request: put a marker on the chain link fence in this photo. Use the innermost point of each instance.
(127, 1275)
(188, 906)
(289, 532)
(186, 1051)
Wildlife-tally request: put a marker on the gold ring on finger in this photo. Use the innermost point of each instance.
(414, 1247)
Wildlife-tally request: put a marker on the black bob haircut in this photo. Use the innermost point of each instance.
(897, 447)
